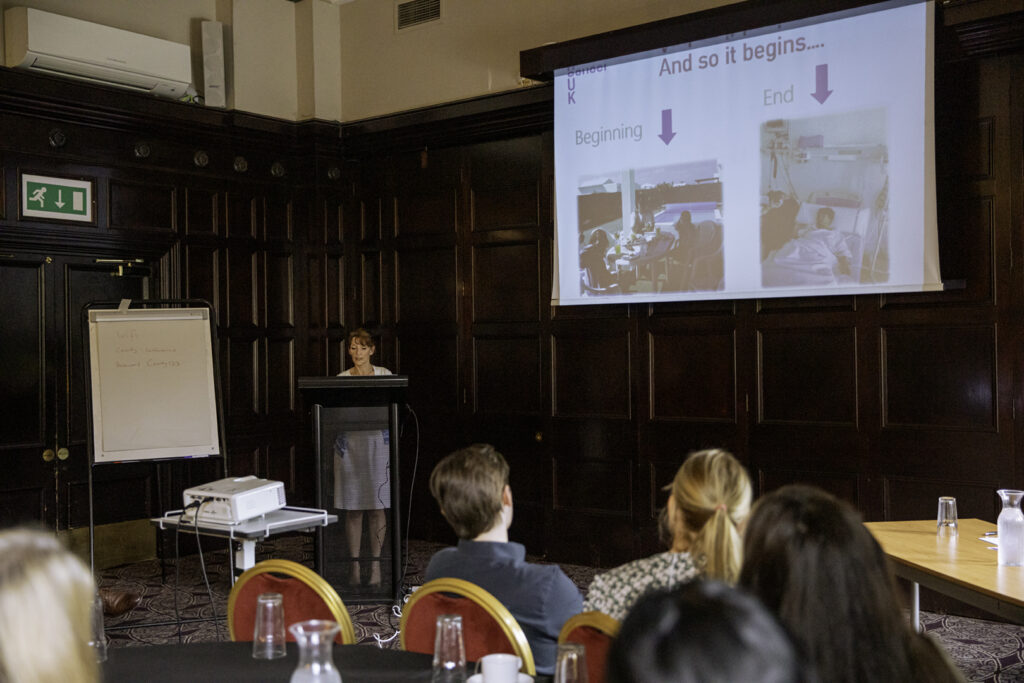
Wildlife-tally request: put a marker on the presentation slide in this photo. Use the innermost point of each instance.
(793, 160)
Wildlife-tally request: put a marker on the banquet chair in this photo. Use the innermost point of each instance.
(487, 625)
(305, 595)
(595, 631)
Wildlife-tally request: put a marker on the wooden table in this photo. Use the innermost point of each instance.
(964, 567)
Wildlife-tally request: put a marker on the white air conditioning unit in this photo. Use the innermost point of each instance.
(61, 46)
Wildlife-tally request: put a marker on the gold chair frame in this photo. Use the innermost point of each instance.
(598, 621)
(509, 626)
(317, 583)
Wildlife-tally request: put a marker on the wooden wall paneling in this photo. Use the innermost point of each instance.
(976, 155)
(372, 215)
(372, 289)
(283, 465)
(241, 285)
(316, 292)
(26, 489)
(245, 458)
(917, 498)
(505, 281)
(692, 381)
(278, 224)
(692, 372)
(21, 336)
(593, 486)
(923, 388)
(335, 290)
(201, 275)
(281, 399)
(241, 214)
(966, 169)
(845, 485)
(808, 376)
(806, 397)
(241, 390)
(506, 179)
(142, 205)
(507, 373)
(201, 211)
(279, 289)
(111, 481)
(315, 356)
(427, 191)
(338, 214)
(426, 284)
(431, 360)
(591, 370)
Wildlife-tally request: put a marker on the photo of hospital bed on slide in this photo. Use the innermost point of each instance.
(824, 200)
(651, 230)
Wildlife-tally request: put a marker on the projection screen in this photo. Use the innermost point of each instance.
(792, 160)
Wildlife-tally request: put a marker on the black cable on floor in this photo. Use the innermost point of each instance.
(206, 579)
(177, 566)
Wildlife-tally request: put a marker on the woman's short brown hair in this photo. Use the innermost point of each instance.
(467, 484)
(364, 338)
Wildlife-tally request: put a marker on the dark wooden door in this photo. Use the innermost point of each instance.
(43, 410)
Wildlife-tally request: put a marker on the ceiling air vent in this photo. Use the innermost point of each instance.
(416, 13)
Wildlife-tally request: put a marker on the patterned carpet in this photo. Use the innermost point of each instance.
(984, 650)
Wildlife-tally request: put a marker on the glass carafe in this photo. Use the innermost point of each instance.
(315, 639)
(1011, 528)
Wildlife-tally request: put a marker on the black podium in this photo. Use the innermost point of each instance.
(355, 439)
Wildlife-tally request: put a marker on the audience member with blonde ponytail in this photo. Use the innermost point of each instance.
(46, 596)
(709, 499)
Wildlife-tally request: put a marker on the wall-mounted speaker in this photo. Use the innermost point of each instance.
(214, 88)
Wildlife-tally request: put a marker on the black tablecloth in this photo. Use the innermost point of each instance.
(229, 662)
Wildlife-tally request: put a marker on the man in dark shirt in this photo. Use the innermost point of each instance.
(471, 486)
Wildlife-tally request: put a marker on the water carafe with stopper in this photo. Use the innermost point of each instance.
(1011, 528)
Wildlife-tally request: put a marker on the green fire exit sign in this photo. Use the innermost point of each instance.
(56, 198)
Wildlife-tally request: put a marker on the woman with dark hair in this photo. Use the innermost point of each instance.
(705, 631)
(811, 561)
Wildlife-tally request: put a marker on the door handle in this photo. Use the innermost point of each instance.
(48, 455)
(63, 453)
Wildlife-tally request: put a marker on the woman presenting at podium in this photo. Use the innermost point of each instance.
(362, 487)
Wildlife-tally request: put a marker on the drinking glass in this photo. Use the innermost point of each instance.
(268, 633)
(570, 664)
(449, 650)
(947, 524)
(99, 636)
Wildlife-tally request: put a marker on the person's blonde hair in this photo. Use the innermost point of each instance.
(712, 496)
(46, 596)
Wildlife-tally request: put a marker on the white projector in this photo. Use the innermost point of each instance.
(233, 500)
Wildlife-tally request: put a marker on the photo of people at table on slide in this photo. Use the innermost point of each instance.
(653, 229)
(824, 200)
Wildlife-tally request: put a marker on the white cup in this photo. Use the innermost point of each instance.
(500, 668)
